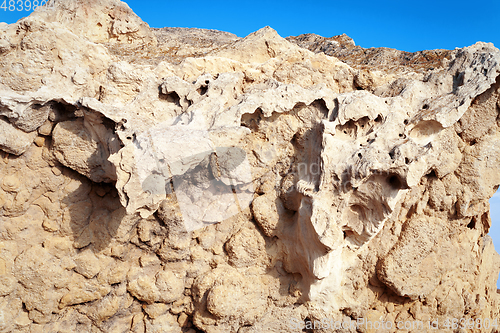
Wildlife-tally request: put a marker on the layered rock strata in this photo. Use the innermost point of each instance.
(178, 180)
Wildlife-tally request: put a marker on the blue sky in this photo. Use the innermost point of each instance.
(495, 224)
(404, 25)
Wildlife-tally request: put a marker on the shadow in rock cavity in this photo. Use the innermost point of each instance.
(90, 206)
(92, 211)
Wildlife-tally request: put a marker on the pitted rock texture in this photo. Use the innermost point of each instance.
(389, 60)
(341, 188)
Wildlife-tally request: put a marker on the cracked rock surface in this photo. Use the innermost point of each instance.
(188, 180)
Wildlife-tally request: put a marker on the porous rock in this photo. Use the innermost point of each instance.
(182, 180)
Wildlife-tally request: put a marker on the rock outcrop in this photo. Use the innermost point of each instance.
(185, 180)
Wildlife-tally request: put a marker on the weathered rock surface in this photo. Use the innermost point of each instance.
(187, 180)
(343, 47)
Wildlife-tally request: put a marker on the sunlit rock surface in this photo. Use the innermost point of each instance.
(187, 180)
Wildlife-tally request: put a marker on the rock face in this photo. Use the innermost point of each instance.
(391, 60)
(185, 180)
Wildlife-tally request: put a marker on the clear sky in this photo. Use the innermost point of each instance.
(495, 224)
(405, 25)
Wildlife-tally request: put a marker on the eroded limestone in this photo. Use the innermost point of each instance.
(238, 185)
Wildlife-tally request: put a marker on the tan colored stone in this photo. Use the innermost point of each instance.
(115, 272)
(230, 295)
(155, 309)
(149, 259)
(8, 284)
(411, 260)
(15, 141)
(246, 248)
(165, 323)
(75, 146)
(41, 278)
(87, 264)
(50, 226)
(46, 128)
(155, 286)
(182, 319)
(39, 141)
(182, 305)
(251, 183)
(11, 183)
(82, 290)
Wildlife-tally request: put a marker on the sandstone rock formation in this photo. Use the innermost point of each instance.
(178, 180)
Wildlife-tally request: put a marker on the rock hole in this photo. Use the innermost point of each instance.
(472, 223)
(458, 80)
(101, 93)
(202, 90)
(473, 142)
(307, 324)
(406, 121)
(425, 130)
(349, 234)
(485, 221)
(171, 97)
(378, 119)
(320, 104)
(360, 155)
(121, 125)
(411, 211)
(425, 106)
(335, 111)
(401, 135)
(352, 129)
(407, 160)
(252, 120)
(431, 174)
(394, 181)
